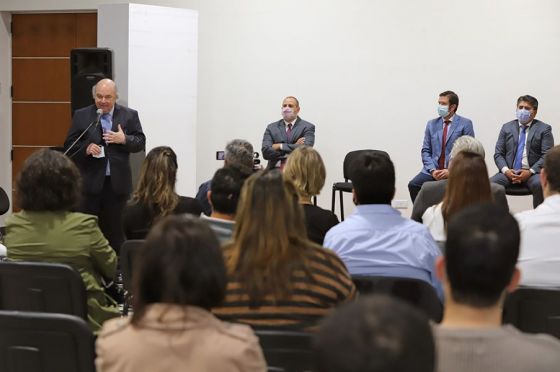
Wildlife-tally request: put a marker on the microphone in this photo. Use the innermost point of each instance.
(99, 112)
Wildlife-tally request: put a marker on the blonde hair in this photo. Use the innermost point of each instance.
(306, 170)
(156, 186)
(270, 237)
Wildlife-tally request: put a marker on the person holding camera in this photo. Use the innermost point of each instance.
(239, 155)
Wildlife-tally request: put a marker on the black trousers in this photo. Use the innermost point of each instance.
(108, 207)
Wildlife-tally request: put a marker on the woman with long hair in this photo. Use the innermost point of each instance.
(180, 275)
(306, 170)
(48, 188)
(277, 276)
(468, 184)
(155, 196)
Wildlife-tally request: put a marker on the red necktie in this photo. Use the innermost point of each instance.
(289, 132)
(441, 162)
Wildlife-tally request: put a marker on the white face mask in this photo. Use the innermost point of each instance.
(523, 115)
(288, 114)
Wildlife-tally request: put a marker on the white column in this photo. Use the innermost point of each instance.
(155, 51)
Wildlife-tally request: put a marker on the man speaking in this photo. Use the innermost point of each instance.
(282, 137)
(102, 155)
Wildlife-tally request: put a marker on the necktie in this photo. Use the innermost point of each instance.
(289, 132)
(106, 122)
(441, 162)
(520, 147)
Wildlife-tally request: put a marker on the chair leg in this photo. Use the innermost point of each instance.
(332, 200)
(341, 206)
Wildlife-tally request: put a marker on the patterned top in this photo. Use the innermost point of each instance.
(311, 297)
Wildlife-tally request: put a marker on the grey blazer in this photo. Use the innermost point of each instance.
(539, 141)
(276, 133)
(432, 193)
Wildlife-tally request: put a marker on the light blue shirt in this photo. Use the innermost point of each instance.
(106, 125)
(377, 240)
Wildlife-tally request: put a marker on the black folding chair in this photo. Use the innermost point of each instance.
(416, 292)
(346, 186)
(42, 342)
(128, 254)
(534, 310)
(288, 351)
(42, 287)
(4, 202)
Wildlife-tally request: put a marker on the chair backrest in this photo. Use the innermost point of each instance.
(416, 292)
(42, 342)
(534, 310)
(289, 351)
(351, 156)
(129, 252)
(4, 202)
(42, 287)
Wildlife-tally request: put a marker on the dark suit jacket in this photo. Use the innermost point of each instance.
(93, 169)
(432, 193)
(539, 141)
(276, 133)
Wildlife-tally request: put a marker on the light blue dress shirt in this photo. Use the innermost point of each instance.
(377, 240)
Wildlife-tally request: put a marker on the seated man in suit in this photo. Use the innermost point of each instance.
(477, 272)
(539, 257)
(439, 137)
(376, 240)
(432, 192)
(282, 137)
(521, 147)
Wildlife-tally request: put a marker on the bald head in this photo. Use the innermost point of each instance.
(105, 94)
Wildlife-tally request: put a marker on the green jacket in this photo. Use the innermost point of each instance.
(67, 238)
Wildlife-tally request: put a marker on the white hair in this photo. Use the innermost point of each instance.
(467, 143)
(105, 81)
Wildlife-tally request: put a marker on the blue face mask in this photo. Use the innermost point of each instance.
(523, 115)
(442, 110)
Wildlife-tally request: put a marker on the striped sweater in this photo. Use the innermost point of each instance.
(310, 299)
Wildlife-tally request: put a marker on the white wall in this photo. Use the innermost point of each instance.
(367, 72)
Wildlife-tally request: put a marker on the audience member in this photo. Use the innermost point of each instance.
(376, 239)
(277, 277)
(520, 149)
(432, 192)
(306, 170)
(477, 272)
(238, 154)
(468, 184)
(539, 257)
(375, 334)
(181, 275)
(285, 135)
(439, 137)
(48, 188)
(224, 196)
(155, 195)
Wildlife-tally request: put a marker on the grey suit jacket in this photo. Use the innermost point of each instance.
(432, 193)
(539, 141)
(276, 133)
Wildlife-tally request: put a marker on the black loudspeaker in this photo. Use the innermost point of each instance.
(87, 67)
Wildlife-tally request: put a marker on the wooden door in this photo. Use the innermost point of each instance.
(41, 45)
